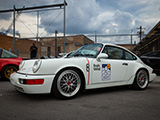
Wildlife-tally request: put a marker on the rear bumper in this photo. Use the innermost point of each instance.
(152, 77)
(32, 89)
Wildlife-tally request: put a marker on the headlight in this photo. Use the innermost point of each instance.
(36, 65)
(21, 65)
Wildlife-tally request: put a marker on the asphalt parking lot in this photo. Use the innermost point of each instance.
(116, 103)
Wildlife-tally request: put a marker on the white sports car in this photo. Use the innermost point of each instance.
(91, 66)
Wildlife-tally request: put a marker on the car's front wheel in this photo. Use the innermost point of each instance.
(141, 80)
(67, 84)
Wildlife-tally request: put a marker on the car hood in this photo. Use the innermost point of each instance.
(52, 66)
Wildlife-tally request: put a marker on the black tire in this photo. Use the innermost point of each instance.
(67, 84)
(141, 80)
(7, 71)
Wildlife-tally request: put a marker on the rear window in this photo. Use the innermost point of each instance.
(129, 56)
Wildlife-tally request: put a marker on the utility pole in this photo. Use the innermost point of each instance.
(140, 32)
(14, 27)
(37, 30)
(131, 40)
(14, 10)
(95, 37)
(56, 32)
(64, 27)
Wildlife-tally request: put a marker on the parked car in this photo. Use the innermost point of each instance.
(89, 67)
(153, 60)
(47, 57)
(9, 63)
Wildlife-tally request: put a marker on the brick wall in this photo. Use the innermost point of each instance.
(23, 46)
(6, 42)
(71, 43)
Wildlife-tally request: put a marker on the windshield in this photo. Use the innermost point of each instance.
(6, 54)
(90, 50)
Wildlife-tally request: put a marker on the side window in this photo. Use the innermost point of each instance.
(129, 56)
(114, 53)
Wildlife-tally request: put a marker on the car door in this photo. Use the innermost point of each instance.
(112, 69)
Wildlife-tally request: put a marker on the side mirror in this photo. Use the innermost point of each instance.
(102, 56)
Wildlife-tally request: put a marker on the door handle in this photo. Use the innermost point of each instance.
(125, 64)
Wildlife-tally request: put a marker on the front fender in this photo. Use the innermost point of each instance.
(53, 66)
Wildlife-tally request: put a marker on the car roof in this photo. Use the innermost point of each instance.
(110, 44)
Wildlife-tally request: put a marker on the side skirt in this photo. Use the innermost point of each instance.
(110, 84)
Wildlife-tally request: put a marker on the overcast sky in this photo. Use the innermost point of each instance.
(85, 17)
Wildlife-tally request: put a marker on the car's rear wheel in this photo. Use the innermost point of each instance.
(141, 80)
(7, 71)
(67, 84)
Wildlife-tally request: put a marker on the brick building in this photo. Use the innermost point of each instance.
(71, 43)
(22, 46)
(46, 46)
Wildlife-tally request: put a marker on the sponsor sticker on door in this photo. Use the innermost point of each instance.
(106, 71)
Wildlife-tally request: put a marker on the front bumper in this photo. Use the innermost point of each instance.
(32, 89)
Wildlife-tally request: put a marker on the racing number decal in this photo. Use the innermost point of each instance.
(87, 67)
(106, 71)
(88, 70)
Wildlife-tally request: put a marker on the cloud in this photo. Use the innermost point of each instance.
(132, 5)
(7, 5)
(101, 22)
(79, 15)
(87, 16)
(5, 16)
(145, 12)
(124, 21)
(10, 31)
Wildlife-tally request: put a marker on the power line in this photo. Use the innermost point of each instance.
(52, 22)
(29, 9)
(109, 35)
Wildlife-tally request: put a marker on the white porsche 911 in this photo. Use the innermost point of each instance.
(91, 66)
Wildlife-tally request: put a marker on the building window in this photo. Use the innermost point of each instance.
(59, 49)
(48, 51)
